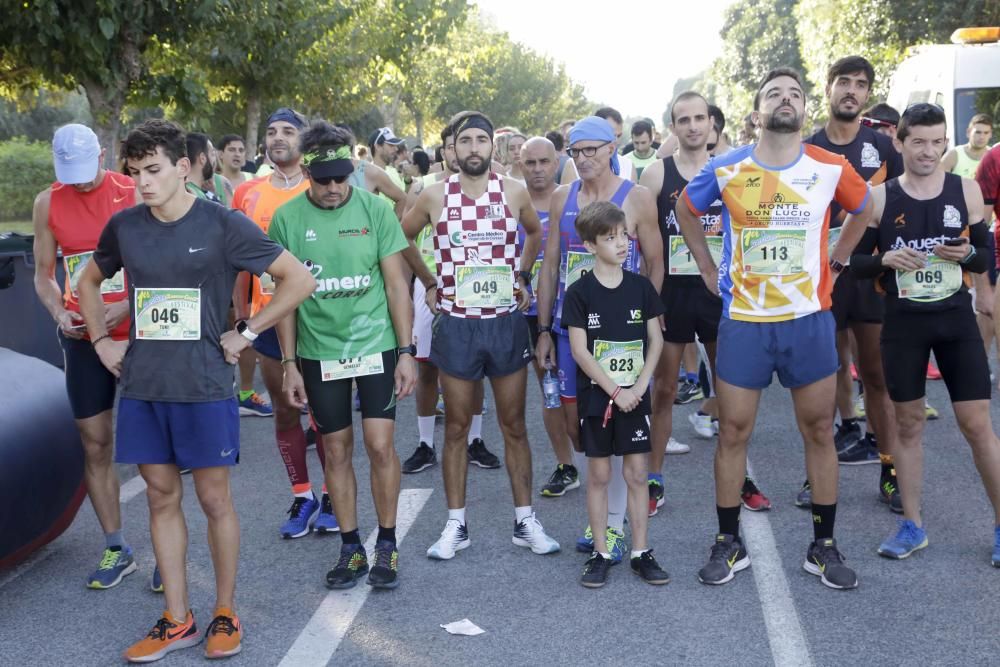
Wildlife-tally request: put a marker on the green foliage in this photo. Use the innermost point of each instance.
(38, 117)
(25, 170)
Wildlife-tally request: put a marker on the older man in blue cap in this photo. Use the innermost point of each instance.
(593, 151)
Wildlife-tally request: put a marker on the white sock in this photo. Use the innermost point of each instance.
(476, 430)
(305, 494)
(426, 427)
(580, 461)
(617, 496)
(457, 515)
(638, 554)
(522, 513)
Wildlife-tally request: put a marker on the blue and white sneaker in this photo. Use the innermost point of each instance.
(326, 522)
(115, 565)
(996, 547)
(585, 543)
(454, 537)
(255, 406)
(156, 583)
(529, 533)
(300, 516)
(908, 538)
(616, 545)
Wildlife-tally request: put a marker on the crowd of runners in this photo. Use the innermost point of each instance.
(629, 278)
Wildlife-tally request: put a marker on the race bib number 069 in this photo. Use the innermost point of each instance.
(938, 280)
(484, 286)
(167, 314)
(773, 252)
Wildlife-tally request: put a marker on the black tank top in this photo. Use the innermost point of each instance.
(666, 201)
(922, 224)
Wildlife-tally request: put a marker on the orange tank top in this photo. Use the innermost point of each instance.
(77, 220)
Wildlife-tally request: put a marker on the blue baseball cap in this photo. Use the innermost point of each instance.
(76, 154)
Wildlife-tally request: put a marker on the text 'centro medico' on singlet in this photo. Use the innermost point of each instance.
(921, 224)
(574, 258)
(680, 268)
(775, 226)
(543, 217)
(475, 250)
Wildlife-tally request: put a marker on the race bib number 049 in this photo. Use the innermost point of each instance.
(773, 252)
(680, 262)
(74, 269)
(484, 286)
(342, 369)
(167, 314)
(938, 280)
(622, 361)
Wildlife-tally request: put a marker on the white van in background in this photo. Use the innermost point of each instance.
(962, 77)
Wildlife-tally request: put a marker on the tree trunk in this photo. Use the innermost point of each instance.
(106, 109)
(253, 123)
(418, 119)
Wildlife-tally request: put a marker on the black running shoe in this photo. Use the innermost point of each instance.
(688, 392)
(595, 572)
(825, 561)
(352, 565)
(728, 557)
(888, 493)
(481, 456)
(565, 478)
(860, 453)
(649, 570)
(846, 435)
(423, 458)
(805, 497)
(385, 571)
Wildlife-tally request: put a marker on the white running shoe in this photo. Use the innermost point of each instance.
(529, 533)
(674, 447)
(702, 425)
(454, 537)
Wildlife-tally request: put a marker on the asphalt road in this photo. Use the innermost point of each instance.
(937, 608)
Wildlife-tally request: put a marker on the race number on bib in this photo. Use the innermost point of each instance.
(74, 269)
(342, 369)
(578, 264)
(622, 361)
(938, 280)
(536, 268)
(167, 314)
(773, 252)
(681, 263)
(266, 283)
(484, 286)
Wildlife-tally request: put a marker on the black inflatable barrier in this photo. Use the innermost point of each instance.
(41, 457)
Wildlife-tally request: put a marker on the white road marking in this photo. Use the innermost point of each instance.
(328, 626)
(784, 630)
(131, 489)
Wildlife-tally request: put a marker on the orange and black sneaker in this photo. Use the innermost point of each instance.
(167, 635)
(224, 634)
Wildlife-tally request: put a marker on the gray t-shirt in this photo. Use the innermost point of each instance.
(181, 278)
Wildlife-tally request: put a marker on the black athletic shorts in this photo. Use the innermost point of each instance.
(90, 386)
(331, 402)
(993, 253)
(471, 349)
(856, 301)
(907, 341)
(625, 433)
(690, 311)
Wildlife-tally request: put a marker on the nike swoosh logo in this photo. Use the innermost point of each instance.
(194, 250)
(177, 634)
(122, 198)
(226, 452)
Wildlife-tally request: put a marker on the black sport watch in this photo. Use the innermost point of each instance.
(525, 276)
(836, 266)
(409, 349)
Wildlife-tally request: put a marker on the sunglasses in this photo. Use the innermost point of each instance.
(875, 123)
(589, 151)
(325, 180)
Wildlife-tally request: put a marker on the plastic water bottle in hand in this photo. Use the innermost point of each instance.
(550, 388)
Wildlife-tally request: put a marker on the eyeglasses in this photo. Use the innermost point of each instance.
(589, 151)
(325, 180)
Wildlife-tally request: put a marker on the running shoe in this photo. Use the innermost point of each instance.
(423, 458)
(675, 447)
(702, 424)
(300, 517)
(825, 561)
(859, 407)
(930, 411)
(454, 537)
(752, 497)
(565, 478)
(932, 371)
(846, 435)
(805, 497)
(595, 571)
(888, 493)
(326, 521)
(728, 557)
(649, 570)
(255, 406)
(688, 392)
(585, 543)
(385, 570)
(351, 566)
(115, 565)
(655, 497)
(996, 547)
(862, 452)
(156, 583)
(222, 639)
(481, 456)
(529, 533)
(167, 635)
(616, 544)
(909, 537)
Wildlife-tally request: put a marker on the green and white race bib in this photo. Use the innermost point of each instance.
(536, 268)
(167, 313)
(577, 265)
(938, 280)
(266, 283)
(484, 286)
(622, 361)
(681, 263)
(831, 239)
(342, 369)
(74, 269)
(773, 252)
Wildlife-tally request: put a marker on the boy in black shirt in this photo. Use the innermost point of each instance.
(614, 335)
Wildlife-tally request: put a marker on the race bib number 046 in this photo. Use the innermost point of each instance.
(680, 262)
(622, 361)
(342, 369)
(484, 286)
(773, 252)
(938, 280)
(167, 314)
(74, 269)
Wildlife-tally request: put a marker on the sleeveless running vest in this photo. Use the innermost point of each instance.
(921, 225)
(965, 166)
(543, 216)
(666, 203)
(473, 233)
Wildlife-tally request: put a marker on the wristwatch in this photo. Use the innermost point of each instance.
(969, 256)
(836, 266)
(409, 349)
(525, 276)
(243, 329)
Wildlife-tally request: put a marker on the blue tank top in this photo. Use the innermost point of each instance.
(537, 266)
(574, 258)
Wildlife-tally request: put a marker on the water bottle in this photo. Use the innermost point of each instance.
(550, 388)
